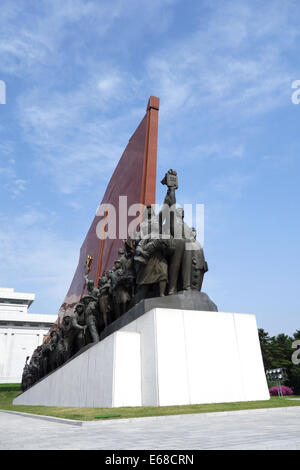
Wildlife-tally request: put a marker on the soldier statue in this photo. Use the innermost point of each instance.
(92, 314)
(105, 299)
(199, 265)
(120, 294)
(151, 257)
(172, 224)
(78, 327)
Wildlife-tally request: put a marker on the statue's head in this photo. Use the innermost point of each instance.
(129, 245)
(79, 308)
(117, 264)
(194, 233)
(66, 319)
(149, 208)
(85, 301)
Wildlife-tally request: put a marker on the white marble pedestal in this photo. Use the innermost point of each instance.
(164, 357)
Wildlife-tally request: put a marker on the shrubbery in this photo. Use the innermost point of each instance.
(285, 390)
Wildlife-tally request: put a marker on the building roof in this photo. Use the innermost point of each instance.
(9, 296)
(13, 309)
(13, 317)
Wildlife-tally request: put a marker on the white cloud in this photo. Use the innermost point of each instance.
(31, 217)
(73, 134)
(230, 66)
(232, 63)
(34, 255)
(110, 84)
(232, 185)
(18, 186)
(32, 37)
(75, 205)
(221, 150)
(11, 183)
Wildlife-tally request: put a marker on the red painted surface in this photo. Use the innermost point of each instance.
(134, 177)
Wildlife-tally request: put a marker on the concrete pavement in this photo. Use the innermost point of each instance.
(254, 429)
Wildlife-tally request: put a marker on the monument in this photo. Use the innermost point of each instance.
(133, 178)
(136, 328)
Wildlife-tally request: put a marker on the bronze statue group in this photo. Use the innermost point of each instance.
(162, 259)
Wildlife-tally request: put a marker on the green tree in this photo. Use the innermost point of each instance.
(297, 335)
(281, 347)
(277, 353)
(266, 349)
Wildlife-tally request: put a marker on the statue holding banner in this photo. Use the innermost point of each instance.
(164, 259)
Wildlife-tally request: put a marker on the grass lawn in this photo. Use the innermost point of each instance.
(9, 391)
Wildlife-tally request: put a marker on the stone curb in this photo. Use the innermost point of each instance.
(214, 414)
(73, 422)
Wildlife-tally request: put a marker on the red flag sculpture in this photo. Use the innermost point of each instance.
(134, 177)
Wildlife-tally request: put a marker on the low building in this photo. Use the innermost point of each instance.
(20, 332)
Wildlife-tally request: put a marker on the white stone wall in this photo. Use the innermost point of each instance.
(165, 357)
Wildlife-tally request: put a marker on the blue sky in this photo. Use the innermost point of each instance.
(78, 76)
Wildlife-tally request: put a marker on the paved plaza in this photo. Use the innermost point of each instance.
(256, 429)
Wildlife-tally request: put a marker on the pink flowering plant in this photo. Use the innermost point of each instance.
(274, 391)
